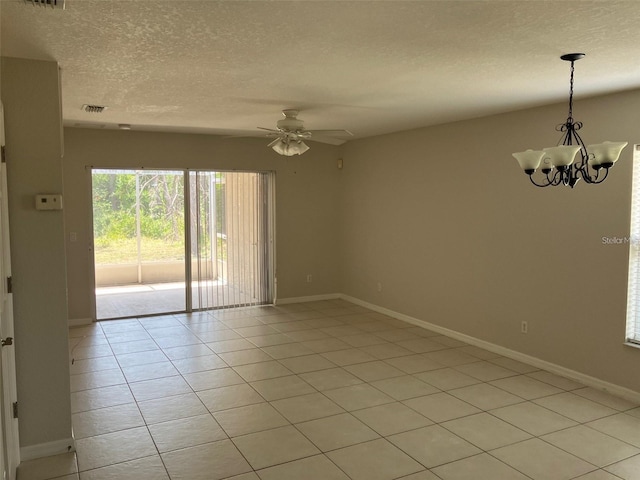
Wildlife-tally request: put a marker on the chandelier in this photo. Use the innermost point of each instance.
(558, 165)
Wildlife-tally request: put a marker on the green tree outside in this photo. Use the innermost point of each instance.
(115, 216)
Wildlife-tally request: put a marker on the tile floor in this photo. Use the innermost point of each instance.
(154, 298)
(325, 391)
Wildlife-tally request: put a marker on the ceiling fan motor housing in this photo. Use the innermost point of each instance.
(290, 121)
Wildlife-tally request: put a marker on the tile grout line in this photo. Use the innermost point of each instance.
(364, 382)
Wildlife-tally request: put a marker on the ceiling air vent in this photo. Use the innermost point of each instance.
(93, 108)
(47, 3)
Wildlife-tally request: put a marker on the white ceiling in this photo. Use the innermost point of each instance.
(371, 67)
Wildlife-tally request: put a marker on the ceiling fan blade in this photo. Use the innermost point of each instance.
(332, 133)
(255, 135)
(327, 140)
(299, 104)
(269, 134)
(269, 129)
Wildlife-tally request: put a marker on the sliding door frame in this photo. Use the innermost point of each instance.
(188, 280)
(269, 225)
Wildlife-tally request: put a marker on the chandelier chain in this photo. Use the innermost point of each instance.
(571, 93)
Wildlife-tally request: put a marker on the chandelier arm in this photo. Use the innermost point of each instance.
(557, 179)
(595, 180)
(552, 180)
(583, 148)
(538, 184)
(585, 171)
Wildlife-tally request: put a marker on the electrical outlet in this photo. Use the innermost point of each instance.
(309, 278)
(524, 327)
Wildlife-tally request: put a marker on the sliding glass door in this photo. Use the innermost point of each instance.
(230, 239)
(146, 223)
(139, 250)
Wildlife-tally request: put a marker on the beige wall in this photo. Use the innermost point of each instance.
(34, 144)
(445, 219)
(306, 199)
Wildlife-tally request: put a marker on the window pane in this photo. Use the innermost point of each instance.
(633, 295)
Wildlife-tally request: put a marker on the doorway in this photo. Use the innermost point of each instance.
(146, 223)
(9, 435)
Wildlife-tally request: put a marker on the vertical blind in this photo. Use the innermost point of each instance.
(230, 239)
(633, 291)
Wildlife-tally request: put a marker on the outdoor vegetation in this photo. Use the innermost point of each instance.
(149, 205)
(115, 216)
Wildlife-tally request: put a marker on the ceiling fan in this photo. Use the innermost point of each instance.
(290, 133)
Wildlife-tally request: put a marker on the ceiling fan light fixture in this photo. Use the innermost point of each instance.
(279, 146)
(290, 133)
(288, 148)
(301, 147)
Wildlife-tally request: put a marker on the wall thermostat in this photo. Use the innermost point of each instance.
(48, 202)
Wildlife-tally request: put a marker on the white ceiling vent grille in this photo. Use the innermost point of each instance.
(93, 108)
(47, 3)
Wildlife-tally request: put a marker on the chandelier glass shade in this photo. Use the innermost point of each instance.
(560, 164)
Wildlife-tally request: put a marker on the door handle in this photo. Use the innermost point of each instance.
(6, 341)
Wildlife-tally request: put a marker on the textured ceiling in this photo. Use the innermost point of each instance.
(369, 67)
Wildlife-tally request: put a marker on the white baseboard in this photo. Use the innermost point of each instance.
(48, 449)
(79, 322)
(311, 298)
(582, 378)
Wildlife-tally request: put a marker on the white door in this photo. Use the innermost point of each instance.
(10, 451)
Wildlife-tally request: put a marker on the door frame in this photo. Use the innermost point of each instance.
(9, 435)
(270, 225)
